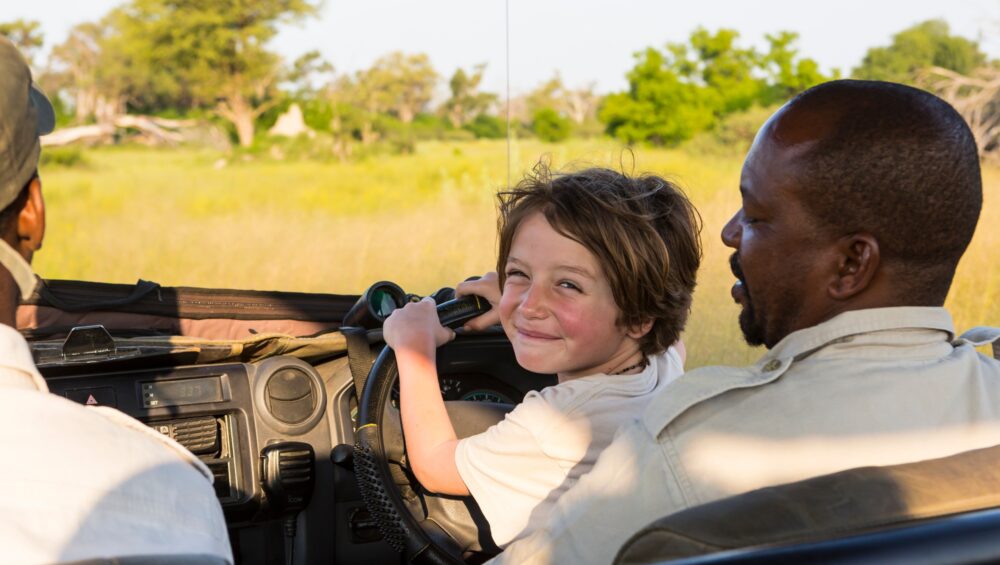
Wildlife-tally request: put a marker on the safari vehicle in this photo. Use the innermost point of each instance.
(289, 398)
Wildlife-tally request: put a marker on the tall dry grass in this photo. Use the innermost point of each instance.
(424, 221)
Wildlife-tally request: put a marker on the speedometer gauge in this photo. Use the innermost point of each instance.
(487, 396)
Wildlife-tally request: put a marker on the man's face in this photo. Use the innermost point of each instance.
(780, 254)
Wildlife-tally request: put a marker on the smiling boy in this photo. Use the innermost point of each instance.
(597, 271)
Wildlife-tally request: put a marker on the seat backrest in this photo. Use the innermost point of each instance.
(841, 504)
(179, 559)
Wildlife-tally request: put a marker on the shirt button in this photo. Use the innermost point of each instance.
(772, 365)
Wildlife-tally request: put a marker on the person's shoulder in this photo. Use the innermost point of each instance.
(704, 384)
(61, 425)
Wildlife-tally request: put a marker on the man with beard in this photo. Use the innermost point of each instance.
(858, 199)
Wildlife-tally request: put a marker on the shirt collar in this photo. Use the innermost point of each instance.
(707, 382)
(17, 368)
(803, 342)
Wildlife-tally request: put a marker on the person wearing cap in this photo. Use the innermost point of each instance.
(77, 482)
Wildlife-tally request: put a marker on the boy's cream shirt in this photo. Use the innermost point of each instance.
(519, 467)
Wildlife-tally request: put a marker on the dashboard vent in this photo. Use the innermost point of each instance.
(199, 435)
(290, 396)
(211, 439)
(220, 476)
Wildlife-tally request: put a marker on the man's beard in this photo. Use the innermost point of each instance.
(751, 326)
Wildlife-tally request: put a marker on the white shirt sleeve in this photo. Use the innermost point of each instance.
(505, 467)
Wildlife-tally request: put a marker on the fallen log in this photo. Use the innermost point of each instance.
(153, 130)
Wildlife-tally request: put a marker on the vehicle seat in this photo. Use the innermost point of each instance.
(850, 502)
(178, 559)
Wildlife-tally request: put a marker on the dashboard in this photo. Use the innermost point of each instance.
(250, 423)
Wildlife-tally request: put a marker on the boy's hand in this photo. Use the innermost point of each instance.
(416, 327)
(414, 332)
(488, 287)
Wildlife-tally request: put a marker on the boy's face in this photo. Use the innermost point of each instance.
(557, 308)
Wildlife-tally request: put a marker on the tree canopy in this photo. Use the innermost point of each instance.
(213, 59)
(927, 44)
(25, 34)
(686, 88)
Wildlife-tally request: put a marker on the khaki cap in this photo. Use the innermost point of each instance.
(25, 114)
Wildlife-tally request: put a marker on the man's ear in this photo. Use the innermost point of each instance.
(31, 221)
(858, 262)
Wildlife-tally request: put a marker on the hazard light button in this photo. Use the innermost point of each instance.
(97, 396)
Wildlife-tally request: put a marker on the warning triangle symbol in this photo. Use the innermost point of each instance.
(91, 401)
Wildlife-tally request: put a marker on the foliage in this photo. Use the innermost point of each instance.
(466, 101)
(549, 126)
(687, 88)
(732, 136)
(579, 105)
(398, 83)
(202, 54)
(485, 126)
(427, 126)
(659, 107)
(89, 67)
(927, 44)
(62, 157)
(787, 75)
(26, 35)
(305, 71)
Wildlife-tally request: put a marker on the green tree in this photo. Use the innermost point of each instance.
(485, 126)
(308, 74)
(26, 35)
(466, 101)
(400, 84)
(95, 75)
(546, 95)
(687, 88)
(549, 126)
(721, 66)
(927, 44)
(660, 106)
(206, 53)
(787, 74)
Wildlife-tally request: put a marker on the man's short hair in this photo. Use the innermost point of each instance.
(899, 163)
(643, 231)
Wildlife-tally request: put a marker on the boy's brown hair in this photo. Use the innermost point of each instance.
(643, 230)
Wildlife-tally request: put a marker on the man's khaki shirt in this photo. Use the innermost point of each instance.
(869, 387)
(85, 482)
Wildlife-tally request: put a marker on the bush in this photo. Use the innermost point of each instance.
(733, 134)
(549, 126)
(62, 157)
(429, 126)
(485, 126)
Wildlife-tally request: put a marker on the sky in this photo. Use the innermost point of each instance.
(588, 42)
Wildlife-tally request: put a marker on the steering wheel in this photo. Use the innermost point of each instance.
(425, 527)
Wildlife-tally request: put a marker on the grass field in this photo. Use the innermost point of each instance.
(424, 220)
